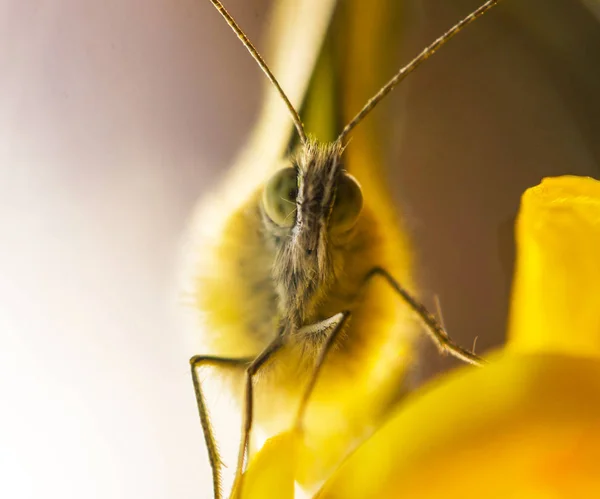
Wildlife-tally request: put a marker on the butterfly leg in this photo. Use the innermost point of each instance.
(335, 324)
(435, 330)
(251, 371)
(197, 362)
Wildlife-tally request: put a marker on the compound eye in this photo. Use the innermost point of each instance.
(279, 197)
(348, 204)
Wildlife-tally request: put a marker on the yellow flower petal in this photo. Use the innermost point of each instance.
(556, 291)
(527, 426)
(271, 471)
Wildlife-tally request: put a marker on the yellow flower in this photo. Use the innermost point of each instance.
(525, 426)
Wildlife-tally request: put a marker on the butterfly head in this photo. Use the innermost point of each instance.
(307, 209)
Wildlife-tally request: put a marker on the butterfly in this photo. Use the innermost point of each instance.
(300, 268)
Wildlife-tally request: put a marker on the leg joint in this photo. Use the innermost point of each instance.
(199, 360)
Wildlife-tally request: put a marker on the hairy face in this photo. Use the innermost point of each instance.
(304, 206)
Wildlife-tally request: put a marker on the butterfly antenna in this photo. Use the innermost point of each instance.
(412, 65)
(263, 65)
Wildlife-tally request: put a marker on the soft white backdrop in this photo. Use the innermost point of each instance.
(116, 115)
(106, 132)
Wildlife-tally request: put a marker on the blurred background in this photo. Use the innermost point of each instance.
(116, 116)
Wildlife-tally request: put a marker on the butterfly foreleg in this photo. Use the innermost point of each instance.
(251, 371)
(334, 325)
(434, 329)
(197, 362)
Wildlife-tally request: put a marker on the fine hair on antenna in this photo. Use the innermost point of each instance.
(263, 65)
(383, 91)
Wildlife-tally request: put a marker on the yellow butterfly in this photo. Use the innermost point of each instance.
(300, 268)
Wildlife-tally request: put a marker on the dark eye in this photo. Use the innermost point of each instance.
(347, 206)
(279, 197)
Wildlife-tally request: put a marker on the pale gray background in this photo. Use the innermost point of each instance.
(116, 115)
